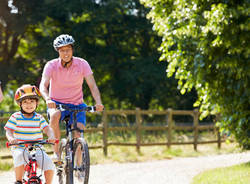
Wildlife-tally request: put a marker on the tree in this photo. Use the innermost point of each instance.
(114, 36)
(16, 17)
(206, 44)
(117, 40)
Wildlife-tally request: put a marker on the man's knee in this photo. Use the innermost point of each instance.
(55, 116)
(81, 127)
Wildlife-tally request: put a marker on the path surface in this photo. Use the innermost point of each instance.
(175, 171)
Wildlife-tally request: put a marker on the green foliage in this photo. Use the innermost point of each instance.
(114, 36)
(8, 104)
(6, 166)
(206, 44)
(15, 19)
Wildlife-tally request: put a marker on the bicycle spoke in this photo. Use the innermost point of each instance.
(81, 161)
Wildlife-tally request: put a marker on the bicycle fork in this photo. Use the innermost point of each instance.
(31, 169)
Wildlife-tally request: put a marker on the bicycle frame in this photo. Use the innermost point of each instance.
(70, 130)
(31, 166)
(31, 169)
(71, 141)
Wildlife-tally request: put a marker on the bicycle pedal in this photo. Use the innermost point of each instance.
(59, 172)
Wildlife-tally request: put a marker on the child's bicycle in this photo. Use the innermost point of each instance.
(31, 165)
(68, 168)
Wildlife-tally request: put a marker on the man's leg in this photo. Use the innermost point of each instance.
(78, 150)
(55, 116)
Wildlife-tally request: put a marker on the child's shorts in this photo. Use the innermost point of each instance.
(21, 158)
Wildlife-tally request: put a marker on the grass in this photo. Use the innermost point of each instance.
(6, 165)
(128, 153)
(123, 154)
(238, 174)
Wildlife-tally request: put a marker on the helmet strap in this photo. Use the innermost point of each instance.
(24, 112)
(67, 63)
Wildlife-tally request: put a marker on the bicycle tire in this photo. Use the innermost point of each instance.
(36, 181)
(62, 155)
(69, 167)
(69, 170)
(85, 159)
(65, 174)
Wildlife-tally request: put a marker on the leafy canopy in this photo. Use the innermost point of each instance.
(114, 36)
(206, 44)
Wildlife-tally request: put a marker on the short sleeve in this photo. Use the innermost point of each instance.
(43, 123)
(47, 70)
(11, 123)
(86, 69)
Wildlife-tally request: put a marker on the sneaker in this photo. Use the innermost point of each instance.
(55, 158)
(18, 182)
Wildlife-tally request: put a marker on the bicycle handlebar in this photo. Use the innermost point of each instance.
(62, 107)
(26, 143)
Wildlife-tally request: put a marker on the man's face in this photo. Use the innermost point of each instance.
(65, 53)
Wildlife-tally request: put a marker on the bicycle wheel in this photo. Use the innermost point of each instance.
(81, 161)
(34, 181)
(60, 167)
(65, 169)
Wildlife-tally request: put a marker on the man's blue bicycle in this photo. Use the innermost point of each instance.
(73, 166)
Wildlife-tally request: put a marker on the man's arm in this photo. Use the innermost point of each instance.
(44, 84)
(94, 91)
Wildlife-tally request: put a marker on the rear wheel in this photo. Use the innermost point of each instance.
(81, 161)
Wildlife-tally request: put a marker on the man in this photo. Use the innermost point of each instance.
(64, 77)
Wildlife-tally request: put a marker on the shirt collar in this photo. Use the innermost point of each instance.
(60, 60)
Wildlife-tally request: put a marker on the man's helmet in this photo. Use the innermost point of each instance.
(63, 40)
(27, 91)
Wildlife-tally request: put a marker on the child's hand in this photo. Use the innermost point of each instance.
(12, 140)
(52, 140)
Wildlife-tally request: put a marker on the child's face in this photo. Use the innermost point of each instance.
(29, 105)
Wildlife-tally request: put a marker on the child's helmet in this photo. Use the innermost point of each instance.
(26, 91)
(63, 40)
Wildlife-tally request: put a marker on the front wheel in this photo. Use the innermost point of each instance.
(81, 161)
(65, 168)
(34, 181)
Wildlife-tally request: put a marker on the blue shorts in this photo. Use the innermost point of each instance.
(80, 116)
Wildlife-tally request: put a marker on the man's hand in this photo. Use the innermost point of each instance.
(99, 107)
(50, 104)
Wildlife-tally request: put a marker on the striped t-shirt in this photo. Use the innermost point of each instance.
(26, 129)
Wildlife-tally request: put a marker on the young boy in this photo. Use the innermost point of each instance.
(27, 125)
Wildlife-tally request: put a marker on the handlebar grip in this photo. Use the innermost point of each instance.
(7, 144)
(92, 108)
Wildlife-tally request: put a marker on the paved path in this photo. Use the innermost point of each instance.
(175, 171)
